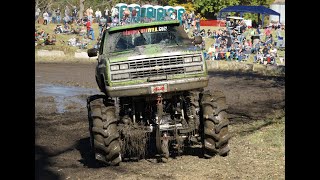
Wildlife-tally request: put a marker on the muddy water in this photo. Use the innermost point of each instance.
(65, 97)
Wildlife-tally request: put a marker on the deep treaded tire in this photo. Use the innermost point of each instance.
(215, 124)
(104, 135)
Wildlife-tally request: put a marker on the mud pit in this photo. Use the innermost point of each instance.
(62, 137)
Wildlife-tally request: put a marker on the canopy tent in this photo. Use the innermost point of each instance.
(251, 9)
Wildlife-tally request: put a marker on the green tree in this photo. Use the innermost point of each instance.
(210, 8)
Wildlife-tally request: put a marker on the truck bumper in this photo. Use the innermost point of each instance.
(158, 87)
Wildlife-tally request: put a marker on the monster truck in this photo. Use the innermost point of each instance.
(153, 103)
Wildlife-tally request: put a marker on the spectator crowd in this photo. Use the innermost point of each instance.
(235, 42)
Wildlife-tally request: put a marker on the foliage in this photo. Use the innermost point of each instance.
(176, 2)
(188, 6)
(172, 2)
(212, 6)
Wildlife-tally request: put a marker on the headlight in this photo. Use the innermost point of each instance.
(120, 76)
(193, 68)
(114, 67)
(124, 66)
(196, 59)
(188, 60)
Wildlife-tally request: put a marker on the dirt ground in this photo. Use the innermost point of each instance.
(62, 137)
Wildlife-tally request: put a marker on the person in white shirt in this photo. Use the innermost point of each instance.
(98, 15)
(114, 12)
(45, 17)
(273, 51)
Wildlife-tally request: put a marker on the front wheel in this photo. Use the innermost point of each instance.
(215, 124)
(104, 135)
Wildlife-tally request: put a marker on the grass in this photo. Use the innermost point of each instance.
(258, 149)
(62, 39)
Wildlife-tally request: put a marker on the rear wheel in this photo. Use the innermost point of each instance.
(215, 124)
(104, 135)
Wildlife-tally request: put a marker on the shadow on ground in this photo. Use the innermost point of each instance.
(87, 157)
(42, 162)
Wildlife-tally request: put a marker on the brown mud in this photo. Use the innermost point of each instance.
(62, 136)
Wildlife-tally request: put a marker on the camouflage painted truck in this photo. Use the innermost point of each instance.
(153, 103)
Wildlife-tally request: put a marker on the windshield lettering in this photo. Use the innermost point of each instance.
(144, 30)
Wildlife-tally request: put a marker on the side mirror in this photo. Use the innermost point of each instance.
(92, 52)
(197, 40)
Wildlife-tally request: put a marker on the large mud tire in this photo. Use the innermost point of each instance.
(104, 135)
(215, 124)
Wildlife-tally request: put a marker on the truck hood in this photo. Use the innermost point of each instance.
(152, 51)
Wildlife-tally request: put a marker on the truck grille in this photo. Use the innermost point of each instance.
(165, 61)
(159, 66)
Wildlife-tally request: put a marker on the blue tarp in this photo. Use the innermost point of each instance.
(250, 9)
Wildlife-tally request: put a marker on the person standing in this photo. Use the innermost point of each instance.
(189, 21)
(88, 25)
(114, 12)
(126, 15)
(58, 15)
(74, 13)
(37, 13)
(67, 12)
(91, 33)
(102, 22)
(54, 17)
(45, 18)
(98, 15)
(267, 33)
(90, 14)
(197, 20)
(49, 16)
(106, 13)
(134, 15)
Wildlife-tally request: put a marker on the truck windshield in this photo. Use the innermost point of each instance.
(162, 35)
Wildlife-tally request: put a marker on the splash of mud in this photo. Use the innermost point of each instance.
(134, 140)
